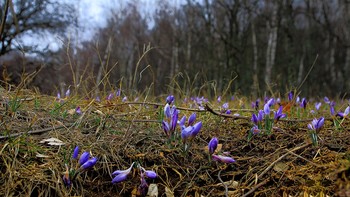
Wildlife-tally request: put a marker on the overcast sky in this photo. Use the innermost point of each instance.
(92, 15)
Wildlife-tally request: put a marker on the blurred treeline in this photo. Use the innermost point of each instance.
(245, 46)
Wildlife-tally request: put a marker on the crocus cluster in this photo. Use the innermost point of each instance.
(198, 102)
(191, 130)
(316, 124)
(84, 163)
(213, 144)
(122, 175)
(279, 114)
(314, 127)
(171, 115)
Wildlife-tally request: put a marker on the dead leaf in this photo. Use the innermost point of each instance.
(52, 141)
(71, 111)
(152, 190)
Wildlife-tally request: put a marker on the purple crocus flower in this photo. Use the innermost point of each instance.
(150, 174)
(78, 110)
(255, 130)
(290, 95)
(331, 108)
(192, 118)
(58, 96)
(124, 99)
(174, 119)
(254, 119)
(167, 111)
(84, 157)
(345, 113)
(185, 133)
(117, 93)
(219, 99)
(318, 106)
(75, 152)
(98, 99)
(196, 128)
(89, 164)
(119, 178)
(303, 103)
(166, 127)
(182, 121)
(267, 109)
(326, 100)
(223, 159)
(109, 97)
(225, 106)
(170, 99)
(67, 93)
(279, 114)
(316, 124)
(213, 144)
(121, 175)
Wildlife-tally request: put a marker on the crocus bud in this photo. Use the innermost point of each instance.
(121, 175)
(254, 119)
(84, 157)
(75, 152)
(213, 144)
(191, 119)
(223, 159)
(166, 127)
(119, 178)
(170, 99)
(89, 164)
(182, 121)
(151, 174)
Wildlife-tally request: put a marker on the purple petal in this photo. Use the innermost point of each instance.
(192, 118)
(151, 174)
(223, 159)
(196, 128)
(89, 164)
(84, 157)
(75, 152)
(213, 144)
(119, 178)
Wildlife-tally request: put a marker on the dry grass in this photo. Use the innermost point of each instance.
(284, 163)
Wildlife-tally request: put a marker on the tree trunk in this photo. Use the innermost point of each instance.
(255, 86)
(271, 45)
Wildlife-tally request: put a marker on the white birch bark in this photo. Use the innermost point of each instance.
(272, 44)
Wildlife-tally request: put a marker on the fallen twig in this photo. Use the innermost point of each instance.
(40, 131)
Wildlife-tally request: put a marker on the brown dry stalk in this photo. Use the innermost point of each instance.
(40, 131)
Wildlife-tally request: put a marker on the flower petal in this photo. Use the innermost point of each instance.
(119, 178)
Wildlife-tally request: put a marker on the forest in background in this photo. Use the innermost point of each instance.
(249, 47)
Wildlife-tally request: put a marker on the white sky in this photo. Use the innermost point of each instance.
(92, 16)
